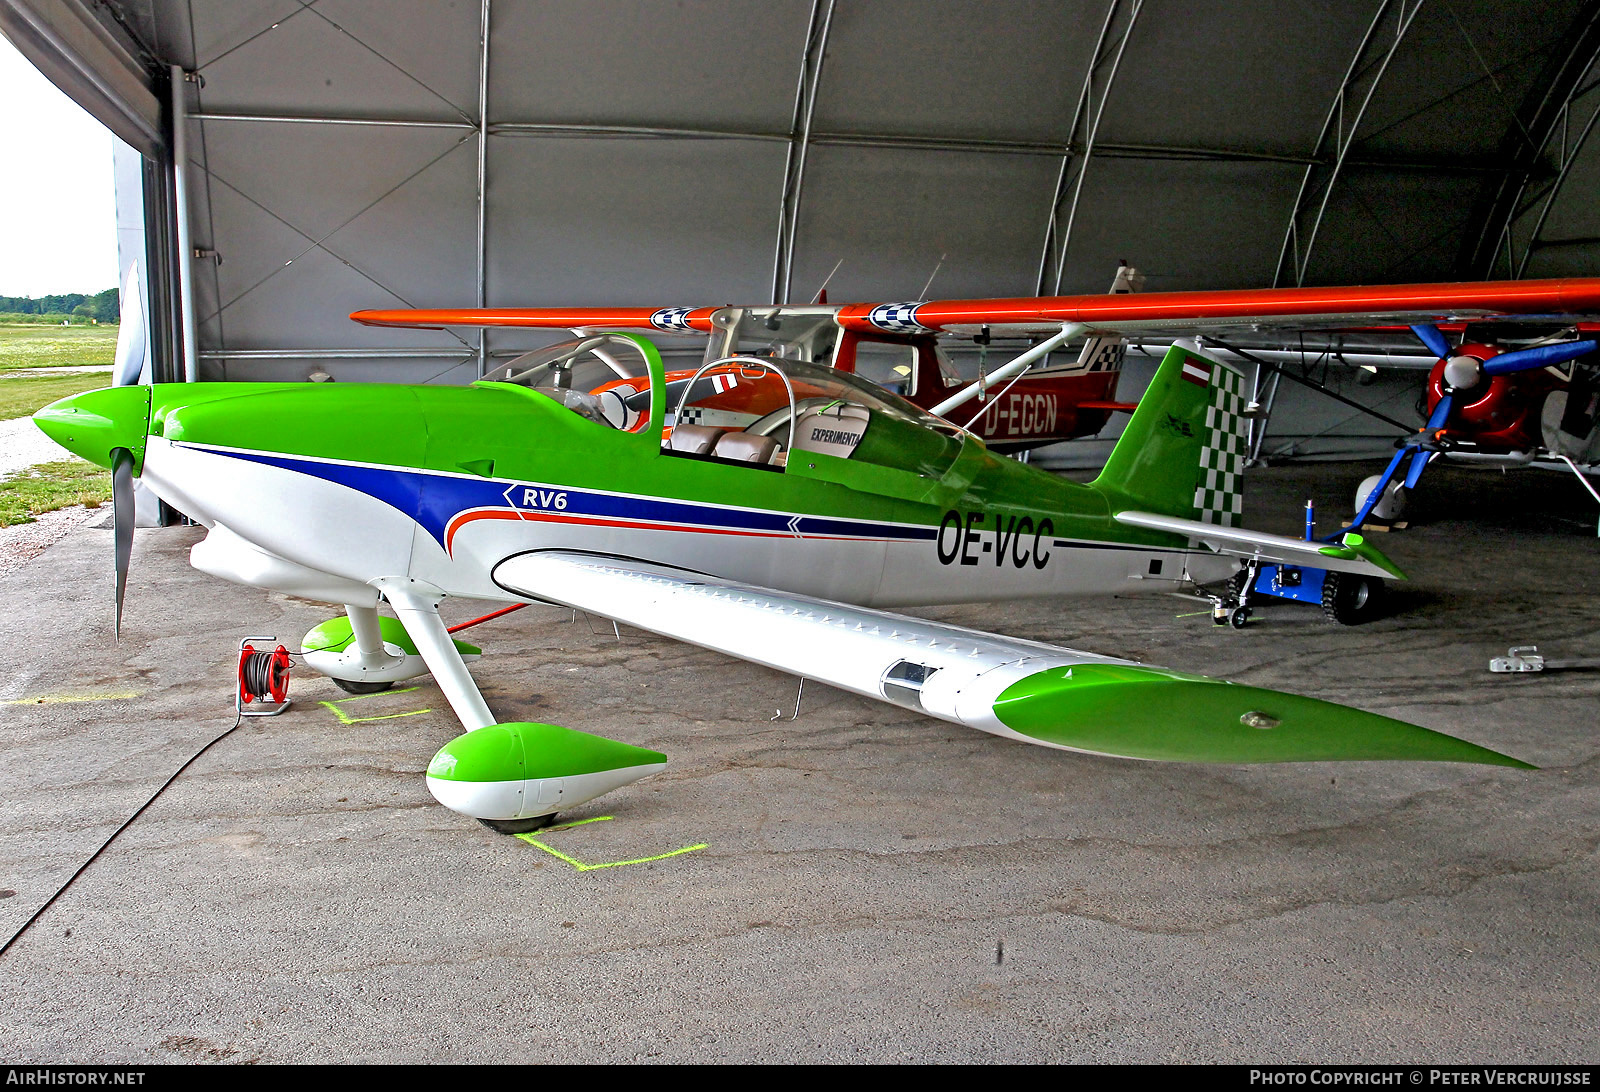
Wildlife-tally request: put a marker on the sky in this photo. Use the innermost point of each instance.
(58, 228)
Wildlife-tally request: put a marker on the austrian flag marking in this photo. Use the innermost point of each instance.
(1196, 370)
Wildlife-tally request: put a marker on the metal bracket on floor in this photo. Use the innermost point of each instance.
(777, 714)
(1525, 658)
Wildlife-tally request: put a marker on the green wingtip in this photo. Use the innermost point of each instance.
(1354, 545)
(1167, 716)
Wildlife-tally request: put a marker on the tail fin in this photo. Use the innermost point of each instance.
(1183, 451)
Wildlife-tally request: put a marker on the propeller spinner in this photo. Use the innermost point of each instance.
(109, 428)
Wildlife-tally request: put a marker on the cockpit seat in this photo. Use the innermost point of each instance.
(695, 439)
(745, 447)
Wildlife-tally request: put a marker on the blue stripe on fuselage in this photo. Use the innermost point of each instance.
(433, 500)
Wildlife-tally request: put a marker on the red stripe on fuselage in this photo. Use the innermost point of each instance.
(635, 525)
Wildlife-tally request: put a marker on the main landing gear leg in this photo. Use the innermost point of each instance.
(364, 627)
(1232, 608)
(513, 778)
(368, 634)
(417, 605)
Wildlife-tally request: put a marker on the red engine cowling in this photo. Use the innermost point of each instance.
(1501, 412)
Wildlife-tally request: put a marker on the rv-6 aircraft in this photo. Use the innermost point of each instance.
(779, 542)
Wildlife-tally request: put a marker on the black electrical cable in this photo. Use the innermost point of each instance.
(6, 947)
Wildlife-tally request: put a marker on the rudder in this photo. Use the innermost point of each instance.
(1183, 452)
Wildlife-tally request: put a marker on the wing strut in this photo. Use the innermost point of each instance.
(1021, 363)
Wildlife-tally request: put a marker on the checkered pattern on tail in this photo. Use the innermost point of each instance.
(1218, 494)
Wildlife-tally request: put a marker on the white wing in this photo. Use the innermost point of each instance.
(945, 671)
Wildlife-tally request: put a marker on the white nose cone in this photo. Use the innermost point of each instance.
(1462, 373)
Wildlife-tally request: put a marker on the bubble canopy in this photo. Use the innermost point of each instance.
(609, 379)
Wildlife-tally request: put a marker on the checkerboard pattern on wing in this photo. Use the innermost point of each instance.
(1219, 494)
(897, 318)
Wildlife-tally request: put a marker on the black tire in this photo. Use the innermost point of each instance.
(1238, 617)
(350, 687)
(518, 826)
(1350, 600)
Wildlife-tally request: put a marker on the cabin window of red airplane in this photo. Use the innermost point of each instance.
(947, 370)
(892, 366)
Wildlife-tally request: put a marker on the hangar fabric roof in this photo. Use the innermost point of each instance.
(708, 151)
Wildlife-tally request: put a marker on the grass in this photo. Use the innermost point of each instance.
(56, 346)
(20, 397)
(50, 486)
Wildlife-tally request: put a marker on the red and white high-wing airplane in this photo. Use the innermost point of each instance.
(1031, 401)
(1053, 398)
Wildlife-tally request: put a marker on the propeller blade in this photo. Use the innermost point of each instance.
(1440, 414)
(122, 519)
(1419, 462)
(1544, 356)
(1431, 336)
(128, 366)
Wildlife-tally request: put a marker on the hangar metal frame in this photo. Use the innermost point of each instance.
(1361, 80)
(1097, 84)
(1534, 197)
(794, 165)
(1132, 174)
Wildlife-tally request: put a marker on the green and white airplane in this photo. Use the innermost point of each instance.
(780, 543)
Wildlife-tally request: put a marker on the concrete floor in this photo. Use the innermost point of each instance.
(875, 886)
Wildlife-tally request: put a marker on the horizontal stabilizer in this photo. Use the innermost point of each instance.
(1352, 555)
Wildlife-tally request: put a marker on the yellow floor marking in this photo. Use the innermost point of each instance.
(583, 866)
(56, 699)
(333, 707)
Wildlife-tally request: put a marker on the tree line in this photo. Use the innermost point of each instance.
(101, 307)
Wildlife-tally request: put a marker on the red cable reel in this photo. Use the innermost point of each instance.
(263, 678)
